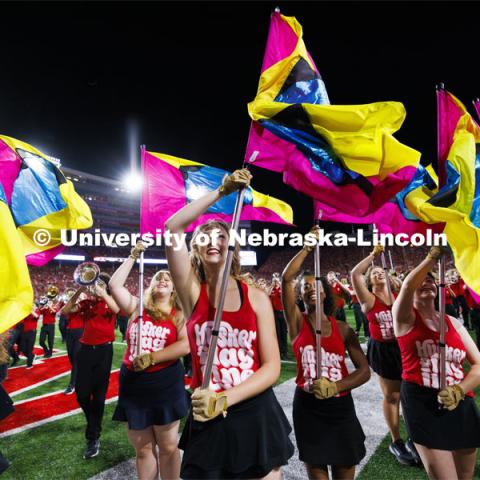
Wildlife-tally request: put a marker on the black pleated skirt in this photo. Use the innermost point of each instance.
(151, 398)
(435, 427)
(385, 359)
(327, 431)
(249, 442)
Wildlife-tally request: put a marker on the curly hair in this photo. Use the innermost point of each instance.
(328, 302)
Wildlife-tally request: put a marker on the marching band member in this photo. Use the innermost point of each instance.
(238, 429)
(29, 335)
(74, 326)
(152, 396)
(383, 353)
(48, 312)
(446, 438)
(275, 293)
(326, 426)
(339, 292)
(94, 357)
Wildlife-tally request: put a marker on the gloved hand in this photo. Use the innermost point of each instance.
(137, 250)
(436, 252)
(451, 396)
(207, 405)
(377, 250)
(236, 181)
(323, 388)
(315, 232)
(143, 361)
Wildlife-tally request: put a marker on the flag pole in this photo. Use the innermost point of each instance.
(387, 276)
(140, 277)
(223, 287)
(441, 263)
(318, 306)
(391, 261)
(476, 106)
(441, 343)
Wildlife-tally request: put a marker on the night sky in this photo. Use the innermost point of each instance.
(75, 78)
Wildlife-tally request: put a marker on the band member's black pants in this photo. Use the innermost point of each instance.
(93, 375)
(281, 327)
(73, 336)
(28, 342)
(360, 319)
(15, 338)
(47, 332)
(62, 325)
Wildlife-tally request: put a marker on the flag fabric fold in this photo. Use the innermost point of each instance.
(16, 293)
(170, 183)
(40, 198)
(457, 201)
(333, 153)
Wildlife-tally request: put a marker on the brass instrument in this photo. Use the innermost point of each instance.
(52, 292)
(87, 274)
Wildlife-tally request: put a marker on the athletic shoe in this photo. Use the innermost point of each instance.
(69, 390)
(92, 450)
(410, 446)
(15, 361)
(4, 463)
(28, 367)
(401, 453)
(47, 355)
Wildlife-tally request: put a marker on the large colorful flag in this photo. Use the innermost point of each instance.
(16, 293)
(41, 200)
(170, 183)
(457, 202)
(342, 156)
(394, 216)
(476, 104)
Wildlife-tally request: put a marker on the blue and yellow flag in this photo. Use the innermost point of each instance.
(41, 200)
(457, 201)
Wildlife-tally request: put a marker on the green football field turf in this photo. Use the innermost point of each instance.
(54, 451)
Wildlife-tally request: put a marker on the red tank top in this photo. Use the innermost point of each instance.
(236, 357)
(156, 335)
(333, 356)
(420, 355)
(380, 322)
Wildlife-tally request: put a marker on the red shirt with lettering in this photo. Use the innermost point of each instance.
(30, 322)
(237, 356)
(380, 322)
(421, 355)
(155, 334)
(333, 356)
(99, 322)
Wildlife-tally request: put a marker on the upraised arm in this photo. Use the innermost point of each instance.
(186, 283)
(365, 297)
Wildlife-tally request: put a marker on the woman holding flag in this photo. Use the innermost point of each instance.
(376, 298)
(152, 396)
(445, 425)
(238, 429)
(326, 426)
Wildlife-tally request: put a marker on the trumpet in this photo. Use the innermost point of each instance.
(87, 274)
(52, 292)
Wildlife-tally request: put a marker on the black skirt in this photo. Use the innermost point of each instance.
(151, 398)
(385, 359)
(327, 431)
(435, 427)
(249, 442)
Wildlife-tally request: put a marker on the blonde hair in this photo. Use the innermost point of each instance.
(368, 275)
(149, 302)
(195, 259)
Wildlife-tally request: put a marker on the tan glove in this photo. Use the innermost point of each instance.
(451, 396)
(143, 361)
(377, 250)
(137, 250)
(323, 388)
(436, 252)
(207, 405)
(315, 231)
(236, 181)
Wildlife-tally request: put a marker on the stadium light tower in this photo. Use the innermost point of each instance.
(133, 181)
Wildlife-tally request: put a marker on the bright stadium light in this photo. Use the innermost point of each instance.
(133, 181)
(73, 258)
